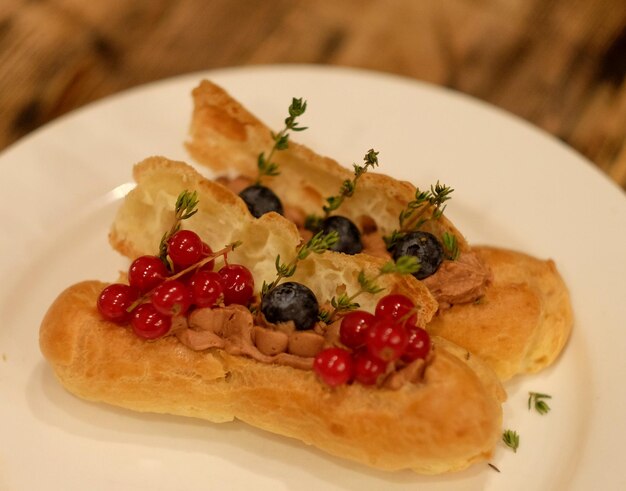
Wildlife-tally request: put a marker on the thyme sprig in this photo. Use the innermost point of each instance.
(346, 303)
(536, 399)
(511, 439)
(318, 244)
(416, 212)
(435, 197)
(186, 207)
(281, 140)
(313, 222)
(222, 252)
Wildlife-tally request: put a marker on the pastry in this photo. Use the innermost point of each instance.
(477, 290)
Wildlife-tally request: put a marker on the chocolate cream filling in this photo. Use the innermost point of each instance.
(233, 329)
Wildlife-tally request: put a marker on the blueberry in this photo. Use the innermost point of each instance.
(291, 302)
(261, 200)
(349, 236)
(423, 246)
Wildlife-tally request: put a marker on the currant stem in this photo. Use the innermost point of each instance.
(408, 315)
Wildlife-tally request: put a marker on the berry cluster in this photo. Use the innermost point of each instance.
(373, 342)
(155, 294)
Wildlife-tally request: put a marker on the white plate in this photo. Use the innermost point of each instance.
(515, 187)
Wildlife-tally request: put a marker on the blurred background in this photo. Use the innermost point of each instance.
(559, 64)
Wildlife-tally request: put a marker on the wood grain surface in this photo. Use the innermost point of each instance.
(560, 64)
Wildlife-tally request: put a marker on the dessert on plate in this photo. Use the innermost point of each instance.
(205, 324)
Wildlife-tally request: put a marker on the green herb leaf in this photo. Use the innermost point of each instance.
(265, 288)
(186, 204)
(284, 270)
(403, 265)
(343, 304)
(266, 168)
(324, 316)
(450, 246)
(368, 285)
(318, 244)
(511, 439)
(536, 399)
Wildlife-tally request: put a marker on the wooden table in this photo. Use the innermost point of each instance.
(560, 64)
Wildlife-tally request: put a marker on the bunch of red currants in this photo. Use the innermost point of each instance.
(374, 341)
(150, 299)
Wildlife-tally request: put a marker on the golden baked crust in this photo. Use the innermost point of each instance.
(226, 137)
(445, 423)
(521, 324)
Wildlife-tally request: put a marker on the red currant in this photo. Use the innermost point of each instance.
(171, 298)
(386, 340)
(333, 366)
(146, 272)
(238, 284)
(206, 288)
(147, 323)
(354, 326)
(184, 248)
(114, 301)
(367, 368)
(206, 252)
(396, 307)
(418, 344)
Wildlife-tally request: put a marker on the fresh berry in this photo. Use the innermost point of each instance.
(386, 340)
(206, 252)
(146, 272)
(206, 288)
(334, 366)
(354, 326)
(396, 307)
(418, 345)
(367, 368)
(261, 200)
(185, 248)
(291, 302)
(171, 298)
(147, 323)
(425, 247)
(349, 236)
(238, 284)
(114, 301)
